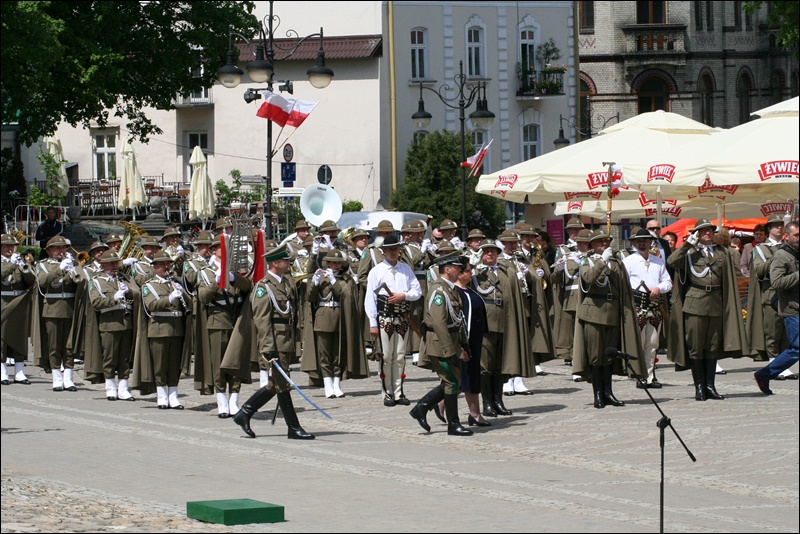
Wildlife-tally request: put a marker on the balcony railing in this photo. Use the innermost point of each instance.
(202, 98)
(662, 38)
(540, 82)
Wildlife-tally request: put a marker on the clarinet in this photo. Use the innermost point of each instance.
(127, 302)
(186, 309)
(521, 268)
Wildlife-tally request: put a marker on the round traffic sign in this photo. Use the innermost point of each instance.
(288, 152)
(324, 175)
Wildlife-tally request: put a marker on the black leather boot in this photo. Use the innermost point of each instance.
(487, 397)
(597, 386)
(454, 427)
(698, 373)
(249, 408)
(426, 404)
(710, 368)
(608, 393)
(497, 395)
(289, 415)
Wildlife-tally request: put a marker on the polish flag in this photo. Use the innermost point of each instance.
(284, 111)
(476, 161)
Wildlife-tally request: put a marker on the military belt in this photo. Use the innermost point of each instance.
(573, 287)
(118, 307)
(14, 293)
(59, 295)
(236, 300)
(166, 314)
(707, 289)
(280, 321)
(496, 302)
(449, 329)
(607, 296)
(328, 304)
(421, 272)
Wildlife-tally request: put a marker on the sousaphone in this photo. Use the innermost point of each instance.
(320, 203)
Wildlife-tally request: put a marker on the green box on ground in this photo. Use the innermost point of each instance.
(235, 511)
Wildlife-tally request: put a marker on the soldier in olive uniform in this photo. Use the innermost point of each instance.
(360, 239)
(706, 321)
(605, 318)
(16, 280)
(473, 251)
(274, 305)
(302, 231)
(223, 308)
(114, 241)
(58, 278)
(142, 270)
(95, 251)
(112, 298)
(764, 327)
(194, 263)
(411, 253)
(445, 344)
(166, 304)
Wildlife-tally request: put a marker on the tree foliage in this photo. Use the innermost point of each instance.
(784, 15)
(74, 61)
(432, 185)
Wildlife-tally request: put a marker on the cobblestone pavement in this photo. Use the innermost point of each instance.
(74, 462)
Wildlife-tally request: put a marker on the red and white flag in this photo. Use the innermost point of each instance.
(284, 111)
(476, 161)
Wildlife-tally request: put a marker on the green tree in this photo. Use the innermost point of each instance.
(784, 15)
(432, 185)
(74, 61)
(352, 205)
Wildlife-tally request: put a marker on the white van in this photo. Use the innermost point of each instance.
(367, 220)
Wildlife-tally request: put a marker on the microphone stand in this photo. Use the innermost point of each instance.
(662, 424)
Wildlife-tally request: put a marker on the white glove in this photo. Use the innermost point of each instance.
(317, 278)
(693, 239)
(128, 261)
(302, 253)
(315, 246)
(426, 245)
(212, 260)
(561, 264)
(218, 276)
(328, 240)
(331, 276)
(175, 295)
(540, 273)
(520, 275)
(181, 251)
(65, 264)
(608, 254)
(15, 258)
(231, 277)
(119, 295)
(123, 287)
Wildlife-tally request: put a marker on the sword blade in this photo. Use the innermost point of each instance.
(291, 383)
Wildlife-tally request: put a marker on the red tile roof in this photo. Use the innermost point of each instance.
(347, 47)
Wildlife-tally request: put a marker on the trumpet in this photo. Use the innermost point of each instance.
(537, 264)
(521, 268)
(77, 278)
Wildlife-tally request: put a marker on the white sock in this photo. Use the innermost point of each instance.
(263, 377)
(3, 372)
(19, 371)
(233, 404)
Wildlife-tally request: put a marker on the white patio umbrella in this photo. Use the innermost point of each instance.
(53, 144)
(201, 191)
(131, 187)
(577, 171)
(787, 107)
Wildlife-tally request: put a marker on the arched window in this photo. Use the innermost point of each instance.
(419, 54)
(651, 12)
(706, 89)
(776, 85)
(653, 95)
(743, 87)
(531, 141)
(527, 49)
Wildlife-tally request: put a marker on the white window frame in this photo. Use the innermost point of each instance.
(193, 138)
(476, 49)
(105, 156)
(527, 45)
(419, 55)
(479, 138)
(201, 95)
(531, 146)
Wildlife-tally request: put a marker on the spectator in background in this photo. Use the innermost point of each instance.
(672, 239)
(759, 236)
(48, 229)
(723, 238)
(548, 247)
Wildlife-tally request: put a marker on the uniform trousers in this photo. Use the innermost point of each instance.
(277, 383)
(597, 338)
(492, 354)
(774, 332)
(394, 359)
(166, 353)
(703, 336)
(449, 371)
(218, 343)
(329, 352)
(116, 353)
(57, 330)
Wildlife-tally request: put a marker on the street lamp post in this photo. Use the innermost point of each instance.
(261, 70)
(482, 118)
(562, 141)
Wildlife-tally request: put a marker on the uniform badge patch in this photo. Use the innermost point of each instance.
(145, 291)
(584, 261)
(260, 292)
(91, 286)
(438, 300)
(364, 255)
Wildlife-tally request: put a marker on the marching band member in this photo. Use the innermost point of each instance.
(16, 281)
(649, 281)
(142, 270)
(411, 254)
(449, 229)
(391, 285)
(112, 299)
(474, 240)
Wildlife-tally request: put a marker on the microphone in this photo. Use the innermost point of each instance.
(612, 352)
